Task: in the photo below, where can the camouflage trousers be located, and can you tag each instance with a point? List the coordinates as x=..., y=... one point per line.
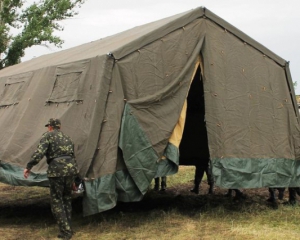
x=61, y=202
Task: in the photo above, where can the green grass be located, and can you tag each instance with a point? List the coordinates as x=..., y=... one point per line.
x=174, y=214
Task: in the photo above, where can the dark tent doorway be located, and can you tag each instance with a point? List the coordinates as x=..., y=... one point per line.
x=193, y=148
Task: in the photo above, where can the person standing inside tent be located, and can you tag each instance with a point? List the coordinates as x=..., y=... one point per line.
x=272, y=196
x=201, y=167
x=293, y=192
x=62, y=170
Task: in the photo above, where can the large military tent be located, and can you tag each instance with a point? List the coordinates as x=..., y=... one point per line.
x=124, y=100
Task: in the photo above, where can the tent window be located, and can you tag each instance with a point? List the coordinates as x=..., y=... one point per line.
x=68, y=82
x=13, y=89
x=65, y=87
x=11, y=93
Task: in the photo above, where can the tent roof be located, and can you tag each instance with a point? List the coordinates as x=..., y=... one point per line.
x=131, y=40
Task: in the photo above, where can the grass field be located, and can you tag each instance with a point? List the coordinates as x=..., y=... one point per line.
x=173, y=214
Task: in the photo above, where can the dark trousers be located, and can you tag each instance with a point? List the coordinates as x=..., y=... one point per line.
x=199, y=172
x=61, y=202
x=272, y=193
x=163, y=183
x=292, y=195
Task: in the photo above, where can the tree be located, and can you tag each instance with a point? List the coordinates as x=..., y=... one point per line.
x=36, y=24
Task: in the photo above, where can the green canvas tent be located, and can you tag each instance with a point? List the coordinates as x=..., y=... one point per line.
x=124, y=100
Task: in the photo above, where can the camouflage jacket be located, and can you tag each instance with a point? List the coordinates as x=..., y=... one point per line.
x=59, y=151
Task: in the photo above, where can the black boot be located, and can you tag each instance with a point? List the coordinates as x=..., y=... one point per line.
x=163, y=183
x=281, y=193
x=298, y=191
x=229, y=193
x=292, y=197
x=238, y=195
x=272, y=197
x=211, y=188
x=156, y=186
x=210, y=180
x=195, y=189
x=196, y=186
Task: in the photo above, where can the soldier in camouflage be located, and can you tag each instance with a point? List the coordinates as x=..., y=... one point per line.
x=62, y=170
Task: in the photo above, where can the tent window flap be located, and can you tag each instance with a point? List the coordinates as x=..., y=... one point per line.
x=14, y=89
x=68, y=82
x=65, y=87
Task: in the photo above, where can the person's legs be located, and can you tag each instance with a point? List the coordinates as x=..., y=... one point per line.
x=67, y=198
x=280, y=193
x=272, y=197
x=229, y=193
x=199, y=172
x=292, y=196
x=238, y=194
x=57, y=189
x=297, y=190
x=163, y=183
x=210, y=180
x=156, y=185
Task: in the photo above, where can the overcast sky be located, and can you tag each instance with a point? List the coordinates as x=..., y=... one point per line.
x=273, y=23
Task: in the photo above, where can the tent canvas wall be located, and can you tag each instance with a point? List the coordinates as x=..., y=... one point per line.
x=123, y=100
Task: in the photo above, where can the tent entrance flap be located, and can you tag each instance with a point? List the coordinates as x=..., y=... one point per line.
x=194, y=145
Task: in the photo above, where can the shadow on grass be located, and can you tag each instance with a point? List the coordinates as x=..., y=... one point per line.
x=37, y=210
x=189, y=204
